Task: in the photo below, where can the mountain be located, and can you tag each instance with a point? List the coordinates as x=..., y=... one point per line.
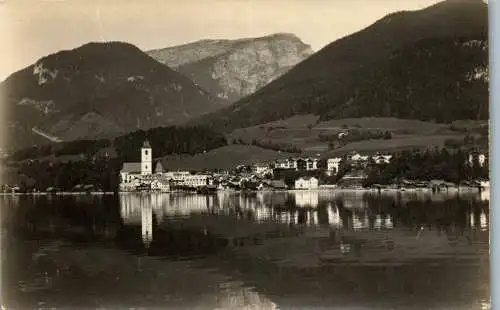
x=438, y=79
x=232, y=69
x=98, y=90
x=344, y=78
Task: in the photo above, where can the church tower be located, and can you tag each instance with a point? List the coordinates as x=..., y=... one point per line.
x=146, y=159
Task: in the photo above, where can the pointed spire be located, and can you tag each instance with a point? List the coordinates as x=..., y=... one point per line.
x=159, y=167
x=146, y=144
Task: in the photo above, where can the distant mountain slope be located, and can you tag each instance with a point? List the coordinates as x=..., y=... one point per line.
x=439, y=79
x=99, y=90
x=232, y=69
x=326, y=83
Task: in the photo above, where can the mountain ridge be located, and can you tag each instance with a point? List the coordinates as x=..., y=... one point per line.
x=231, y=69
x=324, y=78
x=104, y=89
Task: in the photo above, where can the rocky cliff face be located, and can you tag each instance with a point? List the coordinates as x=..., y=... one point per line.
x=232, y=69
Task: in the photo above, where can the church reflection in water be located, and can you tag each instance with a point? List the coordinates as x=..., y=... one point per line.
x=306, y=208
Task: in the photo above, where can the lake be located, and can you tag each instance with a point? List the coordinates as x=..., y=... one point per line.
x=275, y=250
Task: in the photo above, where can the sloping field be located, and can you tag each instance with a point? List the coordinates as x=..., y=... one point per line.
x=298, y=121
x=398, y=143
x=303, y=132
x=292, y=130
x=384, y=123
x=226, y=157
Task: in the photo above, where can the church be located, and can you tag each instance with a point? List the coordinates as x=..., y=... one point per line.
x=139, y=175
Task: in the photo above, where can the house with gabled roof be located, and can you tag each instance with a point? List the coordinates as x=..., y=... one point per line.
x=306, y=183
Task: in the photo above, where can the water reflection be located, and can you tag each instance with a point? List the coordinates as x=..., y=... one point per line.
x=372, y=227
x=306, y=198
x=304, y=247
x=483, y=221
x=306, y=208
x=146, y=223
x=485, y=195
x=334, y=218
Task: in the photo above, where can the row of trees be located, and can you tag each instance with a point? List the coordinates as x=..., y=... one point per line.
x=428, y=165
x=169, y=140
x=77, y=147
x=283, y=147
x=271, y=145
x=103, y=173
x=65, y=176
x=164, y=140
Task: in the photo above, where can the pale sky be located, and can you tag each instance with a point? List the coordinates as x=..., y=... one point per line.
x=31, y=29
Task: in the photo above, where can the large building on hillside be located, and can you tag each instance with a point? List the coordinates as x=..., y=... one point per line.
x=333, y=165
x=307, y=163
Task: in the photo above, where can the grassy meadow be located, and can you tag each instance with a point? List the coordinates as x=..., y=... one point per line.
x=304, y=132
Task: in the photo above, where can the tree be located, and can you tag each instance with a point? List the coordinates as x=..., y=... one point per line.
x=387, y=135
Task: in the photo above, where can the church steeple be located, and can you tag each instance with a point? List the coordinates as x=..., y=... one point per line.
x=146, y=158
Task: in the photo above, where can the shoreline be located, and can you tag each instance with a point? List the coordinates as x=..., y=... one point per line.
x=453, y=190
x=59, y=194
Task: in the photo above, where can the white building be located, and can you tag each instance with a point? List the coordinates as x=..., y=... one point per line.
x=308, y=163
x=306, y=183
x=185, y=178
x=333, y=165
x=356, y=157
x=311, y=164
x=261, y=169
x=382, y=159
x=286, y=164
x=160, y=185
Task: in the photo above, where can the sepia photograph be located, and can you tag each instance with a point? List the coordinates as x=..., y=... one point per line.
x=245, y=154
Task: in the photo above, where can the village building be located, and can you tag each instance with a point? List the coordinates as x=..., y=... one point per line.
x=356, y=157
x=333, y=165
x=312, y=164
x=289, y=163
x=299, y=163
x=186, y=179
x=381, y=159
x=261, y=169
x=306, y=183
x=356, y=160
x=160, y=184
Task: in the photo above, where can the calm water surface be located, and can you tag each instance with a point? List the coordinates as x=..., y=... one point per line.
x=295, y=250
